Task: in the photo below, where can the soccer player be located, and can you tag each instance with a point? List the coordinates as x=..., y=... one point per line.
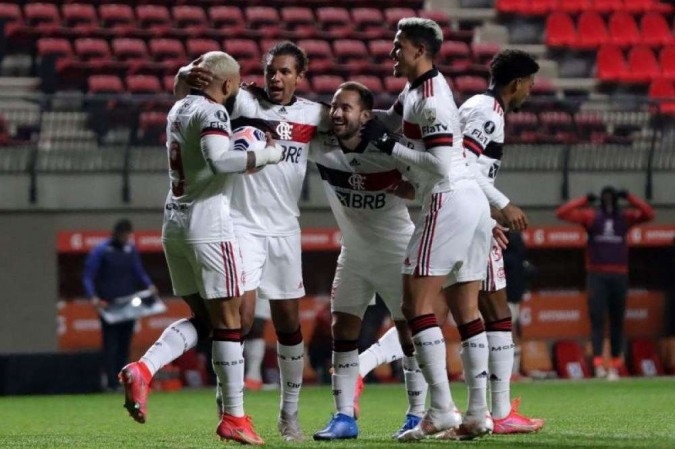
x=265, y=210
x=454, y=231
x=200, y=246
x=482, y=121
x=362, y=185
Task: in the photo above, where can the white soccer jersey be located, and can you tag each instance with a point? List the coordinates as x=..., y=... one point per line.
x=374, y=224
x=197, y=207
x=266, y=203
x=482, y=122
x=430, y=119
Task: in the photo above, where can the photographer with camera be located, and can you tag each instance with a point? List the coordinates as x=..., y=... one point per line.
x=607, y=264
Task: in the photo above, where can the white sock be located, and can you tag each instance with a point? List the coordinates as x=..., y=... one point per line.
x=291, y=365
x=430, y=354
x=254, y=353
x=346, y=369
x=176, y=339
x=385, y=350
x=415, y=385
x=228, y=364
x=501, y=367
x=474, y=354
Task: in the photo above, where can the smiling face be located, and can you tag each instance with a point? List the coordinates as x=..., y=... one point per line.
x=347, y=114
x=281, y=78
x=405, y=55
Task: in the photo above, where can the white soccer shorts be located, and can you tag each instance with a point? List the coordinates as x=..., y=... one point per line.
x=495, y=278
x=452, y=235
x=356, y=282
x=214, y=270
x=272, y=265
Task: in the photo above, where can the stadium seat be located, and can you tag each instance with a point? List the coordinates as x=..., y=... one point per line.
x=667, y=62
x=380, y=50
x=556, y=120
x=92, y=48
x=197, y=47
x=102, y=84
x=44, y=18
x=126, y=49
x=570, y=360
x=606, y=6
x=644, y=358
x=663, y=91
x=484, y=51
x=334, y=22
x=509, y=6
x=226, y=21
x=151, y=127
x=537, y=7
x=154, y=18
x=623, y=30
x=394, y=85
x=319, y=53
x=573, y=6
x=264, y=20
x=543, y=87
x=191, y=19
x=143, y=84
x=589, y=122
x=468, y=85
x=454, y=57
x=441, y=18
x=591, y=31
x=54, y=46
x=326, y=84
x=119, y=19
x=80, y=18
x=167, y=83
x=655, y=30
x=11, y=14
x=300, y=22
x=611, y=64
x=166, y=49
x=560, y=30
x=373, y=83
x=642, y=65
x=246, y=52
x=369, y=22
x=638, y=6
x=393, y=15
x=350, y=55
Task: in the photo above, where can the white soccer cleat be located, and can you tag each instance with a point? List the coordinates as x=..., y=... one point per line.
x=433, y=422
x=472, y=427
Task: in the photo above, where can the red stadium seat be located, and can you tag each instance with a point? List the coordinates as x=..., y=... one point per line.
x=101, y=84
x=537, y=7
x=560, y=30
x=167, y=83
x=573, y=6
x=92, y=48
x=454, y=56
x=326, y=84
x=44, y=17
x=143, y=84
x=611, y=64
x=440, y=17
x=638, y=6
x=393, y=15
x=118, y=18
x=350, y=55
x=79, y=17
x=642, y=65
x=592, y=31
x=644, y=358
x=126, y=49
x=11, y=14
x=246, y=52
x=190, y=18
x=264, y=20
x=623, y=30
x=197, y=47
x=154, y=18
x=394, y=85
x=369, y=22
x=468, y=85
x=166, y=49
x=556, y=120
x=152, y=127
x=226, y=21
x=373, y=83
x=300, y=22
x=663, y=90
x=606, y=6
x=543, y=87
x=54, y=46
x=667, y=62
x=509, y=6
x=483, y=52
x=335, y=22
x=655, y=30
x=380, y=50
x=590, y=126
x=319, y=53
x=570, y=361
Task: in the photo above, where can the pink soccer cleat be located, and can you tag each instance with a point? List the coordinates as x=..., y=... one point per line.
x=517, y=423
x=239, y=429
x=135, y=378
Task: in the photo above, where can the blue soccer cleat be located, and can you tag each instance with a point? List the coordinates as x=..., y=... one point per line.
x=410, y=422
x=340, y=427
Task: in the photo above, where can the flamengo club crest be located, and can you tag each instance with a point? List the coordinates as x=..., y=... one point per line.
x=284, y=130
x=357, y=182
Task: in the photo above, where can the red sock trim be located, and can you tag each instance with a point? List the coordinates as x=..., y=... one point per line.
x=503, y=325
x=422, y=322
x=292, y=339
x=227, y=335
x=471, y=329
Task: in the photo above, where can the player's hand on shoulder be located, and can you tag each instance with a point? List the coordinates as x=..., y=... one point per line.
x=377, y=133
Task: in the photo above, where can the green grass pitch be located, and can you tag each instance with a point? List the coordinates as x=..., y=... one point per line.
x=591, y=414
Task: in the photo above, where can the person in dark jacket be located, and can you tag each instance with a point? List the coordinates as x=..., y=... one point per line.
x=607, y=264
x=113, y=269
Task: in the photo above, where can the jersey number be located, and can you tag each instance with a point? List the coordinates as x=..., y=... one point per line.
x=176, y=166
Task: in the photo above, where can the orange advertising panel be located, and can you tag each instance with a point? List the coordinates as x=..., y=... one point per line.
x=553, y=315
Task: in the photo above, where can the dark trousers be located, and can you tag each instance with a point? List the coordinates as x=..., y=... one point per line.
x=116, y=347
x=607, y=297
